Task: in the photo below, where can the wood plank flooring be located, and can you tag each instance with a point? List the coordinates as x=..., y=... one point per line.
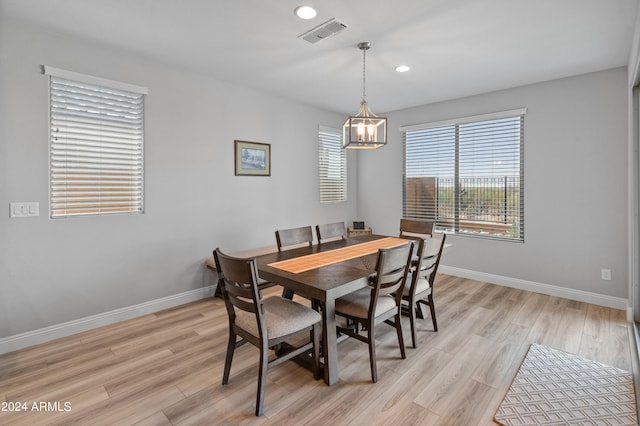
x=166, y=368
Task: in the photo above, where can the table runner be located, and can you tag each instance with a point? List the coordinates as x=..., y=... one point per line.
x=325, y=258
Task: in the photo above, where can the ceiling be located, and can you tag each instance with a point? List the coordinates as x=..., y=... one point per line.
x=455, y=48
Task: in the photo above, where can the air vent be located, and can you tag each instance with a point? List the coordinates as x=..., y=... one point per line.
x=323, y=31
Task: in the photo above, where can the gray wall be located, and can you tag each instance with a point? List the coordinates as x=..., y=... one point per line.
x=575, y=183
x=52, y=271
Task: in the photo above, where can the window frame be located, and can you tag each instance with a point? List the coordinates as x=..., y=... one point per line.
x=130, y=150
x=454, y=134
x=326, y=188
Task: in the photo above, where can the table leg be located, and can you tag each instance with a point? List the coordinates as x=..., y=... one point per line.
x=329, y=342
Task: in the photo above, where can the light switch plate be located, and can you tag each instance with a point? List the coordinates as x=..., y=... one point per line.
x=29, y=209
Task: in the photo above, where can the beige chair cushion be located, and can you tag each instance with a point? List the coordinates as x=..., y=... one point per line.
x=422, y=286
x=282, y=316
x=357, y=304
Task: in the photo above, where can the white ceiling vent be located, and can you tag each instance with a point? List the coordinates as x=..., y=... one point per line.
x=323, y=31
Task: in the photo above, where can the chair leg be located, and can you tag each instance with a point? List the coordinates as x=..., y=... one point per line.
x=287, y=293
x=412, y=321
x=372, y=352
x=432, y=307
x=398, y=326
x=353, y=325
x=315, y=339
x=231, y=346
x=262, y=378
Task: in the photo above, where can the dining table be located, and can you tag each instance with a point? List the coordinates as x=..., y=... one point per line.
x=323, y=273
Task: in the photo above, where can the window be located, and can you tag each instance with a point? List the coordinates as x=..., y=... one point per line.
x=333, y=166
x=96, y=145
x=467, y=174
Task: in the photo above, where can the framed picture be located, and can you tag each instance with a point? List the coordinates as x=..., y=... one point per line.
x=252, y=158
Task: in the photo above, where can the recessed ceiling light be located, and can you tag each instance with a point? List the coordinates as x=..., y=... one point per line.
x=305, y=12
x=402, y=68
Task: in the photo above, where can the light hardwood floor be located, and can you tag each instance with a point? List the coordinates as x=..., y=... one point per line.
x=166, y=368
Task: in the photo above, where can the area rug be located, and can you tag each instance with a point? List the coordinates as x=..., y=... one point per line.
x=553, y=387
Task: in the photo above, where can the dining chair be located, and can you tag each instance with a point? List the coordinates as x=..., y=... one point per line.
x=294, y=237
x=211, y=265
x=331, y=231
x=265, y=323
x=379, y=302
x=291, y=238
x=413, y=227
x=419, y=290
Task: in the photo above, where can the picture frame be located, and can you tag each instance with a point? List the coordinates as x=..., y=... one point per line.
x=252, y=158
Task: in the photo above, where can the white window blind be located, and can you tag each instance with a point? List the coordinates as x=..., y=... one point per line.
x=467, y=175
x=96, y=145
x=333, y=166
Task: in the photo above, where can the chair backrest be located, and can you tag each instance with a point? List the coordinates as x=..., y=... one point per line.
x=410, y=227
x=428, y=259
x=392, y=268
x=331, y=231
x=238, y=278
x=294, y=236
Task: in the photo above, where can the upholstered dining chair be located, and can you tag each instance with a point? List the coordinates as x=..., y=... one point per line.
x=291, y=238
x=331, y=231
x=264, y=323
x=416, y=228
x=419, y=289
x=380, y=302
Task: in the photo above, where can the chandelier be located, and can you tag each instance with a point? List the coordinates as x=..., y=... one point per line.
x=365, y=130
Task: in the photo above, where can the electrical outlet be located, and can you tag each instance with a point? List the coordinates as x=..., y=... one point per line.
x=605, y=274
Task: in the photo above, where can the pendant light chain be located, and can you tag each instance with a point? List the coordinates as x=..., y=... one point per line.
x=364, y=56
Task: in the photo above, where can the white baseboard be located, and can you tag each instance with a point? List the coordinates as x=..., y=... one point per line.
x=551, y=290
x=30, y=338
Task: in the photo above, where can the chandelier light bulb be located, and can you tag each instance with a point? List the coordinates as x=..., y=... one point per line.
x=360, y=131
